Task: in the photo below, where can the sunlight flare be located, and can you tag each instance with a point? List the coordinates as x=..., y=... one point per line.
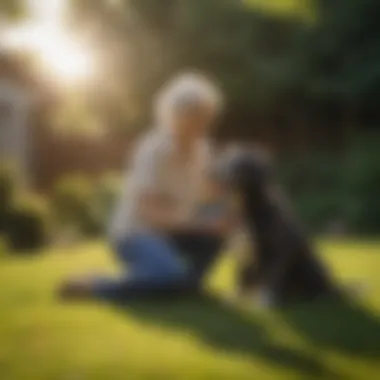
x=59, y=54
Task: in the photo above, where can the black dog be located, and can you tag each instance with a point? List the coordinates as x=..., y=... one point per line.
x=284, y=262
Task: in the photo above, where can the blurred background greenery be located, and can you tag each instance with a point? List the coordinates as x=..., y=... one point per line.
x=77, y=78
x=300, y=77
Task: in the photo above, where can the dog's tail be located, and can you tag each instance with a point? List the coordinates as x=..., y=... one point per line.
x=355, y=289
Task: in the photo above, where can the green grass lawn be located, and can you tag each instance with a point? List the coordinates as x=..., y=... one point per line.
x=41, y=338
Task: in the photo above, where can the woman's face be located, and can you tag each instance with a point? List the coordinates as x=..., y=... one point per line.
x=195, y=122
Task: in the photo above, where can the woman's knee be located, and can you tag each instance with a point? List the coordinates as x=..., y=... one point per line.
x=154, y=257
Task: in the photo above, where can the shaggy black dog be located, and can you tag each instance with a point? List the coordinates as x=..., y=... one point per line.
x=283, y=261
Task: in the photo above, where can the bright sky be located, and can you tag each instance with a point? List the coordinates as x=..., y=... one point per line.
x=47, y=10
x=45, y=35
x=44, y=15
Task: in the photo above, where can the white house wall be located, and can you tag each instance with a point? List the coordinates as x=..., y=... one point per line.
x=14, y=116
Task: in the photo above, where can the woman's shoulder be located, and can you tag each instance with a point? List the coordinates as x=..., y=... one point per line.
x=152, y=144
x=206, y=149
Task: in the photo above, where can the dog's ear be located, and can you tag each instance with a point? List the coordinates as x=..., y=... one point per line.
x=253, y=171
x=243, y=168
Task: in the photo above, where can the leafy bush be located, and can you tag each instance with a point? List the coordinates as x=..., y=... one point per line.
x=7, y=190
x=325, y=187
x=71, y=199
x=106, y=193
x=85, y=205
x=72, y=202
x=3, y=247
x=316, y=172
x=315, y=186
x=27, y=227
x=362, y=183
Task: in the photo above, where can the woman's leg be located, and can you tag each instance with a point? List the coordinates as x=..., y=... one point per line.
x=151, y=265
x=200, y=250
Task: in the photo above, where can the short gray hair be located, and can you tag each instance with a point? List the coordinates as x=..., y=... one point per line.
x=186, y=90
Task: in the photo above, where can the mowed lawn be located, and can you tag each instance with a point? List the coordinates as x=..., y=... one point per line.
x=41, y=338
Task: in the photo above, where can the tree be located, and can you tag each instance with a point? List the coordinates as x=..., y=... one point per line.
x=12, y=8
x=278, y=69
x=147, y=41
x=340, y=70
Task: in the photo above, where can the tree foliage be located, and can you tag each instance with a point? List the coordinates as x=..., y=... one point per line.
x=12, y=8
x=277, y=66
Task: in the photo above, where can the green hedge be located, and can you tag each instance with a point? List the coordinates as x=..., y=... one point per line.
x=28, y=224
x=84, y=204
x=105, y=195
x=76, y=203
x=362, y=183
x=7, y=191
x=23, y=216
x=72, y=203
x=327, y=187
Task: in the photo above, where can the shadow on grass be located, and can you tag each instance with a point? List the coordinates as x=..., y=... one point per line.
x=223, y=328
x=344, y=326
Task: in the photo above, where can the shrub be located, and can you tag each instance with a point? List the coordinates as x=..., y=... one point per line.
x=362, y=183
x=71, y=201
x=319, y=209
x=71, y=196
x=315, y=186
x=27, y=228
x=84, y=205
x=327, y=187
x=317, y=172
x=3, y=247
x=7, y=190
x=106, y=193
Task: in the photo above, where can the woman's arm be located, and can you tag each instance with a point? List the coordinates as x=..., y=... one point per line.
x=225, y=220
x=159, y=210
x=149, y=182
x=164, y=214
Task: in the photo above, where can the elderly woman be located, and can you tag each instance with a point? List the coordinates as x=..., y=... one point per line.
x=155, y=232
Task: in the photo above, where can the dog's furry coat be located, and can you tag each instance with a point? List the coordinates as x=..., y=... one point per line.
x=283, y=262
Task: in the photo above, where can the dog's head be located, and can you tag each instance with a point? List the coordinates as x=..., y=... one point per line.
x=245, y=171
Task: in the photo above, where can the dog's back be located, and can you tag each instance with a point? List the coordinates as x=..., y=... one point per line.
x=283, y=257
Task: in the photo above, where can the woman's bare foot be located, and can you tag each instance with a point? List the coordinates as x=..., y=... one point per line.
x=75, y=290
x=232, y=299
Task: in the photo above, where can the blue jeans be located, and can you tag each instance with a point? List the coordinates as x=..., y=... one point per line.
x=149, y=261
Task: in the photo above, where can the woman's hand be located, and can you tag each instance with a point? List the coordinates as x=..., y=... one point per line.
x=220, y=226
x=265, y=299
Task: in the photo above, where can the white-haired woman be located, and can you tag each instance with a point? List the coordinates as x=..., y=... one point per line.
x=154, y=220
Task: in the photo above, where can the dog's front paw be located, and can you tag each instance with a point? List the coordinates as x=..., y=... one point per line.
x=264, y=299
x=232, y=299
